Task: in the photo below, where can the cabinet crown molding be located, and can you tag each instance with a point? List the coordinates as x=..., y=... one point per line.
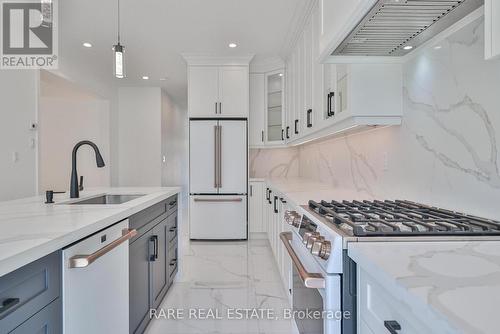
x=200, y=59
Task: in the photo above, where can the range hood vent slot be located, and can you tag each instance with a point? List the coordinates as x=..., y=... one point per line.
x=392, y=25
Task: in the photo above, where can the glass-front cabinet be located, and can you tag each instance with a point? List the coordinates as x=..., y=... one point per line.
x=275, y=107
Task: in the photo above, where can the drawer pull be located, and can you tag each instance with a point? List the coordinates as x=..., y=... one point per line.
x=8, y=303
x=172, y=203
x=172, y=229
x=392, y=326
x=173, y=262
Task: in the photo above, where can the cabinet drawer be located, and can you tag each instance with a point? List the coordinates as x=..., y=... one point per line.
x=172, y=229
x=377, y=305
x=47, y=321
x=172, y=204
x=173, y=262
x=27, y=290
x=146, y=216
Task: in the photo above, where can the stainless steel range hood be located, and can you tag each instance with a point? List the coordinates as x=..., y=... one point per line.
x=396, y=27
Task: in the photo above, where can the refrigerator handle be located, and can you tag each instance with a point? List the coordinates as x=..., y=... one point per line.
x=216, y=155
x=220, y=156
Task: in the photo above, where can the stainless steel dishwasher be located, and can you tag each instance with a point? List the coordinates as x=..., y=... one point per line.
x=95, y=282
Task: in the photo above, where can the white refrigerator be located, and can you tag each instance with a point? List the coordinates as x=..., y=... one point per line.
x=218, y=154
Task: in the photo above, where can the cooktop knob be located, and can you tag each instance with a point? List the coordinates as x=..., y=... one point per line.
x=308, y=235
x=326, y=248
x=312, y=239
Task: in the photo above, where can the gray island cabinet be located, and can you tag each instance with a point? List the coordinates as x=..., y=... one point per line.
x=31, y=295
x=152, y=260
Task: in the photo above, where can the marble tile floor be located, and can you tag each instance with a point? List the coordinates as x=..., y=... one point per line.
x=222, y=277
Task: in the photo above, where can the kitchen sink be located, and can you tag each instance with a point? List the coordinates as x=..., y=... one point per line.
x=107, y=199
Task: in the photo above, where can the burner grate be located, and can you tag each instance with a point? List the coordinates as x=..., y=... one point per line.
x=402, y=218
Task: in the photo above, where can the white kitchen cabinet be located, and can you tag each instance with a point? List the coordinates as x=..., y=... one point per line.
x=203, y=96
x=307, y=109
x=233, y=91
x=377, y=305
x=267, y=109
x=256, y=207
x=218, y=91
x=256, y=119
x=492, y=29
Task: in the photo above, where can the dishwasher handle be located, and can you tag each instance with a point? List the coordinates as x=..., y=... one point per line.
x=82, y=261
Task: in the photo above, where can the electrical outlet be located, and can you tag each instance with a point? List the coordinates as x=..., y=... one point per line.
x=386, y=161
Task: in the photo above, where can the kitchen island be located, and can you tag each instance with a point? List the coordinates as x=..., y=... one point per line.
x=32, y=229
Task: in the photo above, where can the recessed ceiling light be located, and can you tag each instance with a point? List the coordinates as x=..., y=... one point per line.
x=233, y=45
x=87, y=45
x=145, y=77
x=281, y=74
x=163, y=79
x=408, y=47
x=437, y=47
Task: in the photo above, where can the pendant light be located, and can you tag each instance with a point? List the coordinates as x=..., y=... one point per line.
x=118, y=61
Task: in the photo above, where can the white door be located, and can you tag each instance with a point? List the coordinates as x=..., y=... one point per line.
x=256, y=119
x=202, y=157
x=203, y=90
x=255, y=207
x=233, y=157
x=233, y=91
x=218, y=217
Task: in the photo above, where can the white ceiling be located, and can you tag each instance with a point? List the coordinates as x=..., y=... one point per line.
x=156, y=32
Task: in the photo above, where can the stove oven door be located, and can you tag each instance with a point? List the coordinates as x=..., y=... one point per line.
x=316, y=296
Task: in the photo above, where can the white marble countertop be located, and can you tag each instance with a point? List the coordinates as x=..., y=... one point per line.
x=299, y=190
x=457, y=281
x=31, y=229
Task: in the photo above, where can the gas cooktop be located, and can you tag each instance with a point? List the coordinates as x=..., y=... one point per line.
x=401, y=218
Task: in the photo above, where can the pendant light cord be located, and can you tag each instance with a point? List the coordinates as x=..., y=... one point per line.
x=118, y=21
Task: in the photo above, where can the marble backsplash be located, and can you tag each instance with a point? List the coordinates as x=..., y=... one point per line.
x=446, y=151
x=277, y=162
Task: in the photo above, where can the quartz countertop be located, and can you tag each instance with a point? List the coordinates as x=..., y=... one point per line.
x=31, y=229
x=300, y=190
x=456, y=281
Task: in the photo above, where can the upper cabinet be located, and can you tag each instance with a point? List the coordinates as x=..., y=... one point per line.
x=267, y=119
x=218, y=87
x=218, y=91
x=492, y=29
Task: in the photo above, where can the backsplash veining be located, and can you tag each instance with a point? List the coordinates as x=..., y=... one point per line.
x=446, y=151
x=279, y=162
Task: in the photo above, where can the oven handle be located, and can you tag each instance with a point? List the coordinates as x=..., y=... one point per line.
x=311, y=280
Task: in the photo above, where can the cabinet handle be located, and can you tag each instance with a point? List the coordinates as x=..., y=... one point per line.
x=282, y=200
x=282, y=134
x=287, y=132
x=216, y=108
x=153, y=257
x=262, y=136
x=267, y=194
x=172, y=229
x=331, y=105
x=220, y=108
x=275, y=204
x=173, y=262
x=172, y=203
x=309, y=121
x=251, y=190
x=8, y=303
x=269, y=199
x=392, y=326
x=296, y=124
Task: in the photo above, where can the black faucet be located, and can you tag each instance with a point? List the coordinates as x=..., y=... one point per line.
x=74, y=192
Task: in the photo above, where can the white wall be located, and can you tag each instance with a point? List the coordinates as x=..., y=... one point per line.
x=175, y=149
x=139, y=136
x=18, y=97
x=67, y=115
